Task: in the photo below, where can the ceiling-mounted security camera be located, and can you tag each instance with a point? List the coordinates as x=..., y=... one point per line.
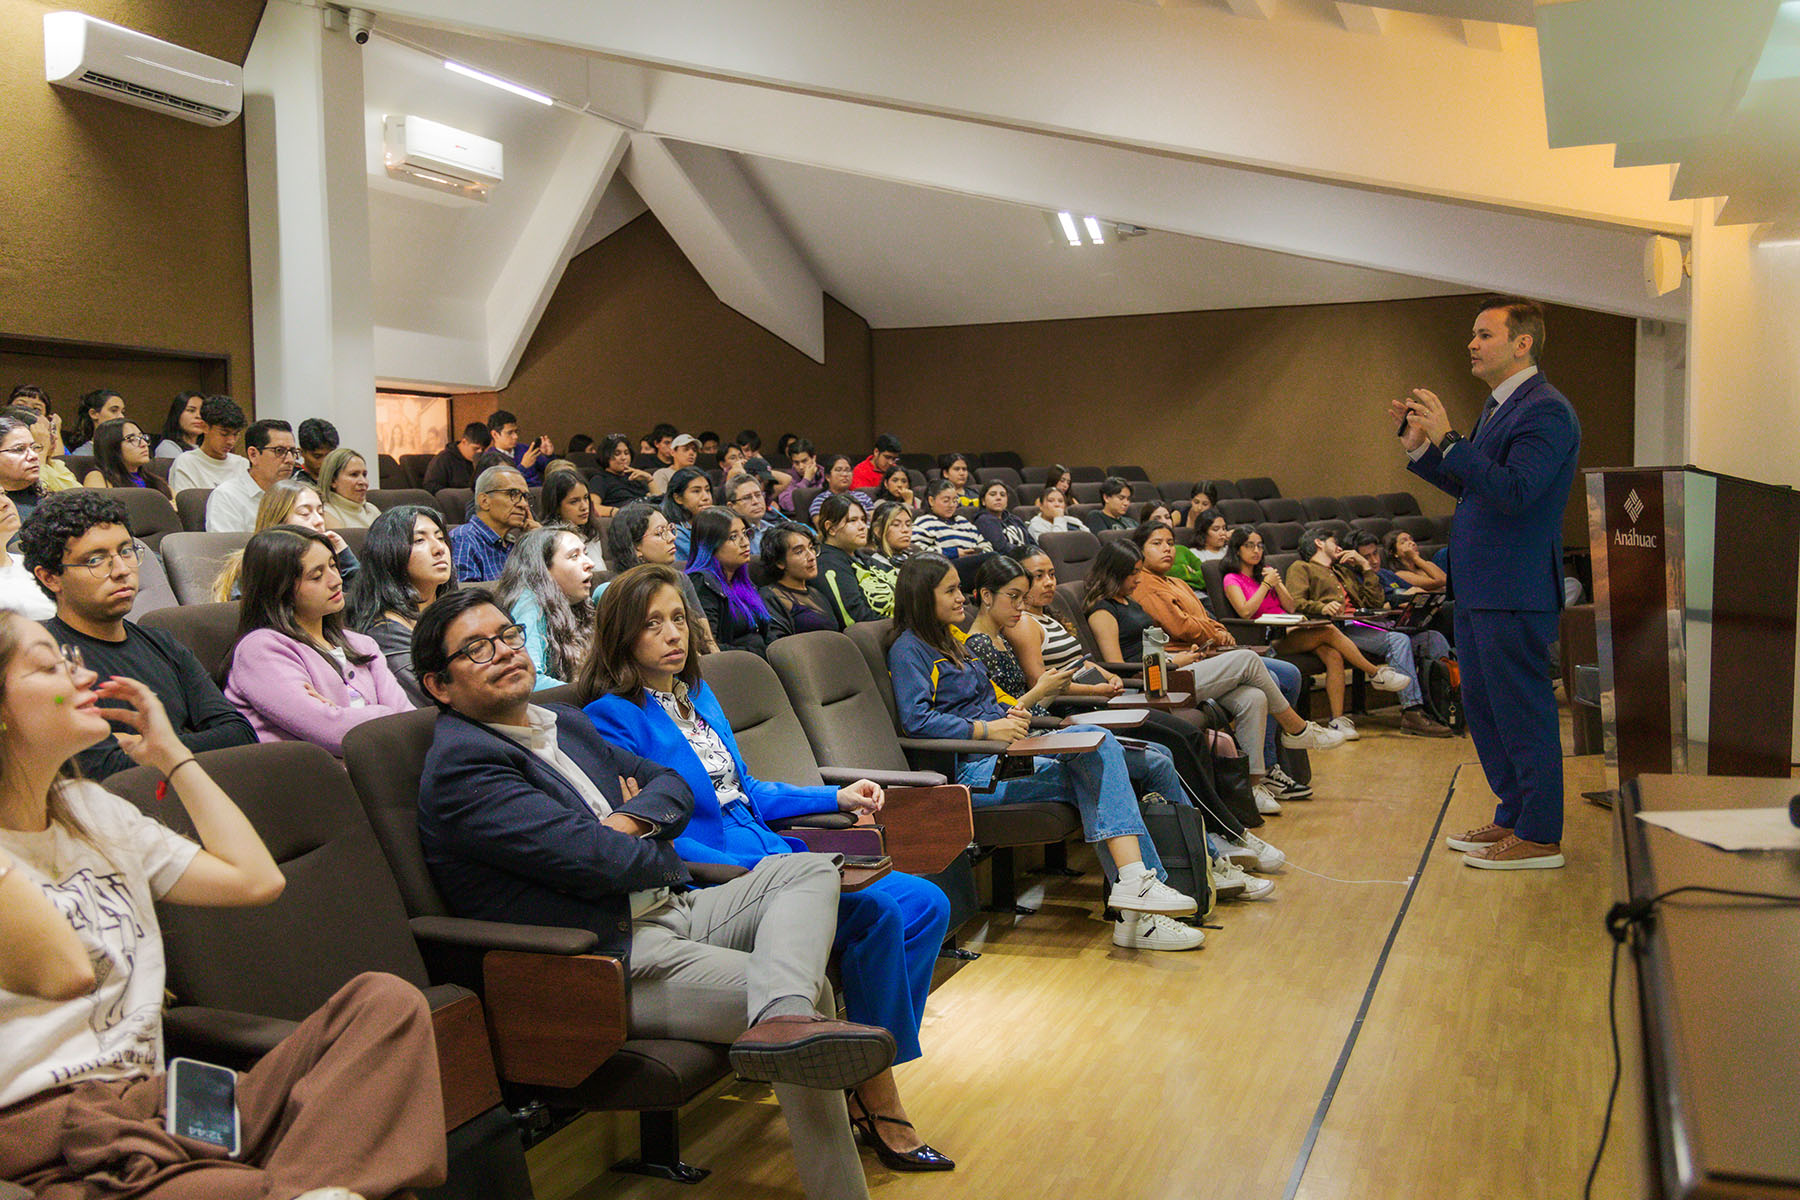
x=362, y=23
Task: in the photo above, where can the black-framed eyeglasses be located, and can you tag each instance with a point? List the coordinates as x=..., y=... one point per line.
x=137, y=439
x=281, y=452
x=510, y=495
x=481, y=650
x=100, y=563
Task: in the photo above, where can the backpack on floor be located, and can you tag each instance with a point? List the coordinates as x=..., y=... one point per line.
x=1441, y=689
x=1179, y=834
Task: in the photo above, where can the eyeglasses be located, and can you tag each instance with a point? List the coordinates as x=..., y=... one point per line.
x=137, y=439
x=510, y=495
x=100, y=563
x=21, y=450
x=481, y=650
x=287, y=452
x=72, y=659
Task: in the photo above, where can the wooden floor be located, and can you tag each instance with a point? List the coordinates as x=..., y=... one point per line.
x=1057, y=1065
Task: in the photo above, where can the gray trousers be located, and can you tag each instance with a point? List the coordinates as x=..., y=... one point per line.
x=1238, y=680
x=705, y=967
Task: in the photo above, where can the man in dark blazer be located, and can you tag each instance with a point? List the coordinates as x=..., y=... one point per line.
x=1511, y=479
x=527, y=815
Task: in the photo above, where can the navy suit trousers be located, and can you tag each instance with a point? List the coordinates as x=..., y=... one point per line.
x=1504, y=656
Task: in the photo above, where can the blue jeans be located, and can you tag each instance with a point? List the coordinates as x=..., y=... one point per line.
x=1287, y=678
x=1098, y=783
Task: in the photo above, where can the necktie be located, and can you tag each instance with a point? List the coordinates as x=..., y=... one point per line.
x=1487, y=410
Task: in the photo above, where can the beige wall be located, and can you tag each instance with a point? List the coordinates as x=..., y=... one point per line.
x=1296, y=393
x=123, y=226
x=633, y=336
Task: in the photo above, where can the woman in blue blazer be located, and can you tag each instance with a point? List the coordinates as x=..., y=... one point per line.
x=651, y=701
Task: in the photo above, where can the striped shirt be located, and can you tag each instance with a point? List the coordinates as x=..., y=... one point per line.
x=1061, y=648
x=949, y=538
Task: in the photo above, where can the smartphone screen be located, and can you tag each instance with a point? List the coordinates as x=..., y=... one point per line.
x=202, y=1103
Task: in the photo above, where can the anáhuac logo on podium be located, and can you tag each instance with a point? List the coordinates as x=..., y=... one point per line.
x=1634, y=508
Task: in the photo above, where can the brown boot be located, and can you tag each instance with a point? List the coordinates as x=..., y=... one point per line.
x=1415, y=722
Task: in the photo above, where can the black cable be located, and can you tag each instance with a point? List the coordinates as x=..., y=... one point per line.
x=1622, y=921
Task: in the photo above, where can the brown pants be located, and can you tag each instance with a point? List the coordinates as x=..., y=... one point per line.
x=350, y=1098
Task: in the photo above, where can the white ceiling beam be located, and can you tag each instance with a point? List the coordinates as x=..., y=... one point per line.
x=1360, y=18
x=1151, y=82
x=549, y=240
x=1484, y=35
x=1564, y=261
x=722, y=226
x=1261, y=10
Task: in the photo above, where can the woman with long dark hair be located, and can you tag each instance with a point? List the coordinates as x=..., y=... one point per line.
x=349, y=1100
x=1005, y=533
x=569, y=504
x=720, y=572
x=955, y=468
x=120, y=451
x=295, y=672
x=618, y=483
x=838, y=473
x=182, y=428
x=547, y=588
x=101, y=404
x=641, y=534
x=689, y=492
x=943, y=691
x=844, y=541
x=406, y=564
x=896, y=486
x=650, y=700
x=796, y=603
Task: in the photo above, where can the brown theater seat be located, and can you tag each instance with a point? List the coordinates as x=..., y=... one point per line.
x=209, y=630
x=386, y=498
x=151, y=514
x=190, y=504
x=193, y=560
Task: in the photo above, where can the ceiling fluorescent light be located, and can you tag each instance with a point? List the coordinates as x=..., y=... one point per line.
x=503, y=85
x=1093, y=228
x=1068, y=228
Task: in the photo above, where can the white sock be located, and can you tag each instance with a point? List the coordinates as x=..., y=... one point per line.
x=1132, y=872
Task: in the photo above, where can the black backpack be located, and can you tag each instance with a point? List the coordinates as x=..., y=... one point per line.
x=1441, y=687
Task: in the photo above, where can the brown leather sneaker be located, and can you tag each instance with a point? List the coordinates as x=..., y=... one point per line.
x=812, y=1051
x=1515, y=854
x=1479, y=839
x=1415, y=722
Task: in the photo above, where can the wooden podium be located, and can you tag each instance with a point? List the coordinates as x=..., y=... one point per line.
x=1695, y=580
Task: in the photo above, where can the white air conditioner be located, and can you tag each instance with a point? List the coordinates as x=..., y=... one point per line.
x=438, y=156
x=109, y=60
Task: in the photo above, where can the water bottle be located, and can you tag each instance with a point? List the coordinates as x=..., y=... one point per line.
x=1156, y=663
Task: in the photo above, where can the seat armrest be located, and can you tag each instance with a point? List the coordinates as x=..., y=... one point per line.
x=841, y=776
x=925, y=828
x=711, y=874
x=224, y=1033
x=861, y=839
x=499, y=935
x=824, y=820
x=1114, y=718
x=952, y=745
x=554, y=1019
x=1038, y=722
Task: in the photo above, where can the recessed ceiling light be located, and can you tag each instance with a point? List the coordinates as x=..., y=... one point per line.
x=1069, y=228
x=495, y=81
x=1093, y=230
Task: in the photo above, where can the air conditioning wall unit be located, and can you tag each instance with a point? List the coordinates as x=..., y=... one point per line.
x=441, y=157
x=95, y=56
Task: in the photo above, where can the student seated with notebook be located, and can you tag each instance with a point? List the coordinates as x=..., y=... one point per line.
x=943, y=691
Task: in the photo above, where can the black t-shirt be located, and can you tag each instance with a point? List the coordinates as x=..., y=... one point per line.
x=1133, y=620
x=202, y=717
x=616, y=491
x=449, y=469
x=1099, y=522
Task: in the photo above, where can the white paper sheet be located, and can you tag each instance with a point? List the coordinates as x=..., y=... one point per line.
x=1732, y=828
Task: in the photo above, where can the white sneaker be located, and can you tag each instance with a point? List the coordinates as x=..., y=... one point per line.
x=1345, y=728
x=1389, y=680
x=1148, y=894
x=1233, y=852
x=1152, y=931
x=1285, y=786
x=1266, y=803
x=1241, y=886
x=1262, y=856
x=329, y=1193
x=1314, y=737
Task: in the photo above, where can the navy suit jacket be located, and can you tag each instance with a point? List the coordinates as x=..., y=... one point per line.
x=508, y=839
x=1511, y=482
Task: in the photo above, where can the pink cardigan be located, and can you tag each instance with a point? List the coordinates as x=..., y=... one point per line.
x=268, y=674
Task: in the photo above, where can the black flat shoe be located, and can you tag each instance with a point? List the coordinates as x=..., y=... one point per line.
x=924, y=1158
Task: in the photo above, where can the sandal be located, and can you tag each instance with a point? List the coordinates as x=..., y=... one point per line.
x=924, y=1158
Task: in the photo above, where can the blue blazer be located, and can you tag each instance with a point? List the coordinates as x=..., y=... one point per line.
x=644, y=728
x=508, y=839
x=1511, y=482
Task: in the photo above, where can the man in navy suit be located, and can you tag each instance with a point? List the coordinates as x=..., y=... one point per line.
x=527, y=815
x=1511, y=479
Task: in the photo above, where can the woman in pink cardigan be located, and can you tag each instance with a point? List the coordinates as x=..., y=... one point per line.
x=296, y=673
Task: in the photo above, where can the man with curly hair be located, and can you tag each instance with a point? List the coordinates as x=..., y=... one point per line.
x=78, y=545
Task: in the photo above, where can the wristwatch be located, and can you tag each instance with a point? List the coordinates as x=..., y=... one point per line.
x=1448, y=440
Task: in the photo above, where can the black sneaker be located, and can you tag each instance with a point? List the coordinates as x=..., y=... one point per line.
x=1285, y=786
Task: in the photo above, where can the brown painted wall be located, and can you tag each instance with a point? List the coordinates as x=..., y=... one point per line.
x=1295, y=393
x=633, y=336
x=123, y=226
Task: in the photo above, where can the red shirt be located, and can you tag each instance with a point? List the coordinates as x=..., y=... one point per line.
x=865, y=475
